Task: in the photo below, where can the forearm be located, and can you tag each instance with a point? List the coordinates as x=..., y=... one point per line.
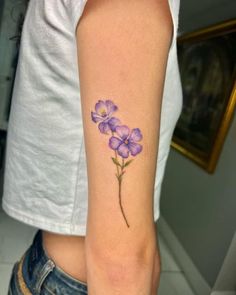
x=121, y=268
x=123, y=48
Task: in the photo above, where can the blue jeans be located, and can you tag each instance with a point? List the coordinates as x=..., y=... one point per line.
x=37, y=274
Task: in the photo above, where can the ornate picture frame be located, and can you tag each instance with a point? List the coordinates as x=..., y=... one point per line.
x=207, y=62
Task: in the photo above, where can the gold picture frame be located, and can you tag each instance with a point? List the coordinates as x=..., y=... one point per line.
x=207, y=62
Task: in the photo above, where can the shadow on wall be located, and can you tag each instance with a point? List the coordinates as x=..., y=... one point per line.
x=198, y=208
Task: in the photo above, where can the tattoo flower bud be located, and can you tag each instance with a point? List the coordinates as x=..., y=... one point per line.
x=102, y=114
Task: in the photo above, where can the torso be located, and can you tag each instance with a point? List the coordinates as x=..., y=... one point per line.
x=73, y=248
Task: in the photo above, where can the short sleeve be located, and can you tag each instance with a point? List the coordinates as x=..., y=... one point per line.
x=174, y=9
x=76, y=8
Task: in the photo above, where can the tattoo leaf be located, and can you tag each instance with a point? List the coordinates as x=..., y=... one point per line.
x=127, y=163
x=115, y=161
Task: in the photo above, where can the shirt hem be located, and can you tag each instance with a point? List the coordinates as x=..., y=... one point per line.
x=43, y=223
x=156, y=215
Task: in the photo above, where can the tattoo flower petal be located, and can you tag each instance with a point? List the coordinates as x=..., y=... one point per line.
x=123, y=150
x=113, y=123
x=95, y=117
x=123, y=131
x=101, y=108
x=114, y=142
x=135, y=135
x=135, y=148
x=111, y=108
x=103, y=127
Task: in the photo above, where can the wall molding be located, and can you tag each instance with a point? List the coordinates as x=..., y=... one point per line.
x=226, y=277
x=192, y=274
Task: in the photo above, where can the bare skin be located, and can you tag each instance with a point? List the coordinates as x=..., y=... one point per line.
x=73, y=259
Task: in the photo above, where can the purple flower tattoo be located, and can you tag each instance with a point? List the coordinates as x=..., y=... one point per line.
x=123, y=141
x=126, y=143
x=102, y=114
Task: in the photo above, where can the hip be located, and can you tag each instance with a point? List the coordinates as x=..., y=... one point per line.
x=37, y=274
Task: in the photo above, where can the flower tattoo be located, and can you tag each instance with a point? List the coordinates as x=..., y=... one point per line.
x=102, y=114
x=123, y=141
x=127, y=142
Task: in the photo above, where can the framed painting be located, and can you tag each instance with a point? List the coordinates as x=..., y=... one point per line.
x=207, y=62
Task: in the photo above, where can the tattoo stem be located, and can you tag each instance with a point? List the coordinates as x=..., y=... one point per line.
x=120, y=181
x=117, y=168
x=119, y=177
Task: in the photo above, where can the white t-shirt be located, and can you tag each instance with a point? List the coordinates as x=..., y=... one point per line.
x=45, y=180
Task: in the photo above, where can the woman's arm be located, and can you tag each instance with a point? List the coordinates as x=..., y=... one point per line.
x=122, y=54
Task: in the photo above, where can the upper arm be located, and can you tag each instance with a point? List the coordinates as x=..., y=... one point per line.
x=122, y=53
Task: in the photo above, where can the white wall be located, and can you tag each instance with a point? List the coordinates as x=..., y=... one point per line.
x=201, y=208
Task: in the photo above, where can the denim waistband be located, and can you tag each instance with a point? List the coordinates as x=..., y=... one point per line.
x=39, y=271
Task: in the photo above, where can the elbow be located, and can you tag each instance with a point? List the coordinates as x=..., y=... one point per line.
x=127, y=272
x=123, y=265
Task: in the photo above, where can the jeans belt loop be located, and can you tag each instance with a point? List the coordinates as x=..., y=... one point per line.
x=44, y=272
